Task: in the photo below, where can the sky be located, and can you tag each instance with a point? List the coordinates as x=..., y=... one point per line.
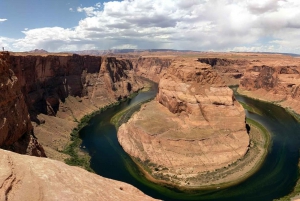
x=202, y=25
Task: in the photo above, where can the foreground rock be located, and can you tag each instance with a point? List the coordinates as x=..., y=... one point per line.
x=275, y=80
x=16, y=131
x=194, y=126
x=30, y=178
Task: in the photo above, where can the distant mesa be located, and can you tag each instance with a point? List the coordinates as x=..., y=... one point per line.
x=39, y=51
x=124, y=51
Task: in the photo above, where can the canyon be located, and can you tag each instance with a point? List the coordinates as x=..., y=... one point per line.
x=200, y=127
x=59, y=90
x=43, y=97
x=194, y=126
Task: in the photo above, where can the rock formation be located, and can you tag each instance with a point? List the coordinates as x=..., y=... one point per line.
x=274, y=80
x=231, y=70
x=30, y=178
x=16, y=131
x=151, y=67
x=194, y=126
x=60, y=89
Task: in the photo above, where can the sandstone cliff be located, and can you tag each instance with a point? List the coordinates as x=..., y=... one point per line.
x=60, y=89
x=194, y=126
x=276, y=81
x=16, y=131
x=231, y=70
x=151, y=67
x=30, y=178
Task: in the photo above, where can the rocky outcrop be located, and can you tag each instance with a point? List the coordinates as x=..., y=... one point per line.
x=15, y=127
x=231, y=70
x=194, y=126
x=60, y=89
x=151, y=67
x=30, y=178
x=276, y=81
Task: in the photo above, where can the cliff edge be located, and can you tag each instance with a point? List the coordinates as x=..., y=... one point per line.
x=16, y=131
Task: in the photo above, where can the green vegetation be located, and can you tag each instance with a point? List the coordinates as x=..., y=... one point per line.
x=124, y=115
x=250, y=108
x=294, y=114
x=77, y=156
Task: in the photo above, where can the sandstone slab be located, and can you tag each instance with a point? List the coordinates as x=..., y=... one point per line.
x=30, y=178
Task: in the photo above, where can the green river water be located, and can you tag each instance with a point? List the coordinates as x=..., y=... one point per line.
x=276, y=177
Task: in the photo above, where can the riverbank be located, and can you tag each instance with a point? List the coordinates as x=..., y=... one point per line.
x=295, y=194
x=78, y=156
x=252, y=96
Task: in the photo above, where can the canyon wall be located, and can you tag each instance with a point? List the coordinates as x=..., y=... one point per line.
x=194, y=126
x=30, y=178
x=231, y=70
x=275, y=81
x=16, y=131
x=151, y=67
x=48, y=80
x=60, y=89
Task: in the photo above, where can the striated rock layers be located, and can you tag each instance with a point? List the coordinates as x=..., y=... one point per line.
x=151, y=67
x=276, y=81
x=59, y=89
x=195, y=125
x=48, y=80
x=30, y=178
x=231, y=70
x=15, y=127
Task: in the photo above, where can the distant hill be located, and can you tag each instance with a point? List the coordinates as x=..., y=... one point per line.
x=39, y=51
x=122, y=51
x=290, y=54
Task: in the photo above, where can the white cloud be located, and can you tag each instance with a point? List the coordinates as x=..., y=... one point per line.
x=2, y=20
x=249, y=25
x=71, y=9
x=6, y=43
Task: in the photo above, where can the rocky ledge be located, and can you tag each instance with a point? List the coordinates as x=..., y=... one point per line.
x=30, y=178
x=194, y=126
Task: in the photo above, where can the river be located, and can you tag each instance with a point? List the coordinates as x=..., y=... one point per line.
x=276, y=177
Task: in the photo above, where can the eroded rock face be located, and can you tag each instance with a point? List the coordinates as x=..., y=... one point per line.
x=231, y=70
x=60, y=89
x=47, y=81
x=274, y=81
x=151, y=67
x=15, y=126
x=194, y=125
x=31, y=178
